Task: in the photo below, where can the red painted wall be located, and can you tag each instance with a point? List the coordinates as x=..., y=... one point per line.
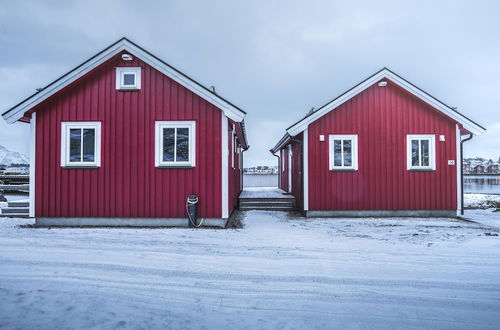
x=382, y=117
x=284, y=169
x=297, y=170
x=127, y=184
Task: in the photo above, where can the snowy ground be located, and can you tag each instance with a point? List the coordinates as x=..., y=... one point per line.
x=480, y=201
x=279, y=271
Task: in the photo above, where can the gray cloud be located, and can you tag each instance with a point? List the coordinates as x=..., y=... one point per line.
x=275, y=59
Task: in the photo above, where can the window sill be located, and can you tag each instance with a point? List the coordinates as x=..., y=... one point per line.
x=422, y=169
x=80, y=166
x=343, y=170
x=174, y=166
x=128, y=89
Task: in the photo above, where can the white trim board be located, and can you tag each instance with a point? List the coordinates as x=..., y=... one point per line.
x=32, y=165
x=354, y=152
x=159, y=126
x=305, y=164
x=120, y=78
x=66, y=126
x=386, y=74
x=225, y=167
x=123, y=44
x=432, y=152
x=290, y=162
x=458, y=164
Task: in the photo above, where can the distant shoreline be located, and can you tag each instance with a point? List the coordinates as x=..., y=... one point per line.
x=482, y=174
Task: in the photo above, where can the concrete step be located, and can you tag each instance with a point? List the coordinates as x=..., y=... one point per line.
x=14, y=215
x=260, y=199
x=284, y=203
x=16, y=210
x=268, y=208
x=19, y=204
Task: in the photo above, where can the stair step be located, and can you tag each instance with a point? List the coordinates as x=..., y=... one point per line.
x=14, y=215
x=257, y=199
x=19, y=204
x=10, y=210
x=268, y=208
x=266, y=202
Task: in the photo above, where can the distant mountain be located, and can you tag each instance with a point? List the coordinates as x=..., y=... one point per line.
x=8, y=157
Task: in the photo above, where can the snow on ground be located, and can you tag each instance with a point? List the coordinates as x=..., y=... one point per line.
x=488, y=218
x=481, y=201
x=279, y=271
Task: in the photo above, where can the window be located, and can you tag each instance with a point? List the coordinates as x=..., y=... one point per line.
x=81, y=144
x=421, y=152
x=128, y=78
x=344, y=152
x=175, y=143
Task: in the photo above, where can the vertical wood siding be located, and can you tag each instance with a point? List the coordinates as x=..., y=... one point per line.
x=127, y=184
x=284, y=169
x=382, y=117
x=297, y=170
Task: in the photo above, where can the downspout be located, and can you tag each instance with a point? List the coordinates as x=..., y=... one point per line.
x=279, y=168
x=462, y=171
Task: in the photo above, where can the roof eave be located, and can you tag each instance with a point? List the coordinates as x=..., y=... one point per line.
x=18, y=111
x=281, y=143
x=302, y=124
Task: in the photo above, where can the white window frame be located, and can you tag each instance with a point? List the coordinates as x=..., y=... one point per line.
x=432, y=152
x=65, y=143
x=354, y=150
x=159, y=126
x=120, y=74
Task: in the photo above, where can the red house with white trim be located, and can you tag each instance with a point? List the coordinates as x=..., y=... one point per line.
x=124, y=138
x=382, y=148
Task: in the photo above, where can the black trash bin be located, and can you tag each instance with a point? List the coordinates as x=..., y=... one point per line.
x=191, y=202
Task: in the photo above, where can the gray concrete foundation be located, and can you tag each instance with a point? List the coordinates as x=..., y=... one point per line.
x=382, y=213
x=125, y=222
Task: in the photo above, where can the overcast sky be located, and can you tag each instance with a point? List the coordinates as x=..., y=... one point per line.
x=274, y=59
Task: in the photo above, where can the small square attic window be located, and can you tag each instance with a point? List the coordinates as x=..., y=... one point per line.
x=128, y=78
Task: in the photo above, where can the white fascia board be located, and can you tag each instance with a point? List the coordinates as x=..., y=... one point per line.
x=230, y=111
x=305, y=162
x=283, y=142
x=32, y=166
x=458, y=164
x=18, y=112
x=467, y=124
x=225, y=168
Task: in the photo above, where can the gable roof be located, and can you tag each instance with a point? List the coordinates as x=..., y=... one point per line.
x=17, y=112
x=467, y=123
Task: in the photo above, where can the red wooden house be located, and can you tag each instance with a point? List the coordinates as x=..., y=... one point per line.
x=383, y=148
x=124, y=138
